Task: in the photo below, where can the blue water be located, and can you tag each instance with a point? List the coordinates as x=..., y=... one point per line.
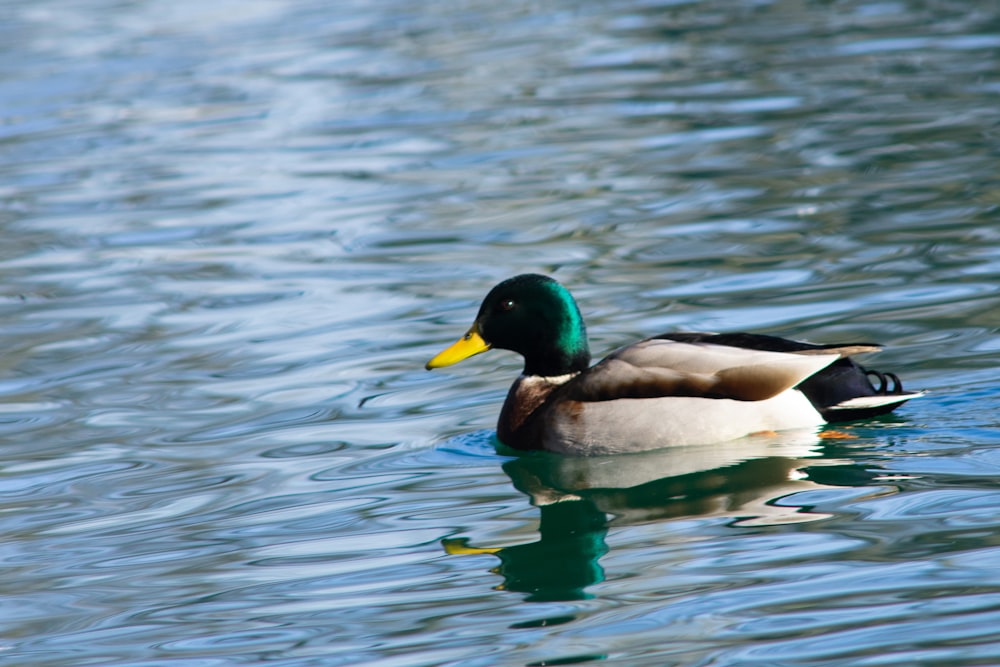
x=234, y=232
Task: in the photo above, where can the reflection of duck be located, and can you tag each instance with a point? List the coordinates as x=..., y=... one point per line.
x=673, y=389
x=564, y=560
x=738, y=477
x=576, y=495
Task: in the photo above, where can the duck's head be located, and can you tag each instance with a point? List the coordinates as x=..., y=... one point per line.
x=532, y=315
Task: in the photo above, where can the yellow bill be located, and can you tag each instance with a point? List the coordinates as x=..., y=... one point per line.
x=468, y=345
x=460, y=547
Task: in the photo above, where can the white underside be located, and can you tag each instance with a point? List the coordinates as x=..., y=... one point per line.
x=631, y=425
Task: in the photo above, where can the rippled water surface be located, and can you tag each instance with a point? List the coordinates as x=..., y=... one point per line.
x=233, y=232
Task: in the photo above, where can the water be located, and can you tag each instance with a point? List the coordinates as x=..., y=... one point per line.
x=233, y=232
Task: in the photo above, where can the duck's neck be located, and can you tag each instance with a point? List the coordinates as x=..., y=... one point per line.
x=564, y=348
x=556, y=362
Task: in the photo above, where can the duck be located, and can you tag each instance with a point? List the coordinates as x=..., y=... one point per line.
x=672, y=389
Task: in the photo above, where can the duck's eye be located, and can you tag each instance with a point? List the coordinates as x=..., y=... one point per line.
x=507, y=304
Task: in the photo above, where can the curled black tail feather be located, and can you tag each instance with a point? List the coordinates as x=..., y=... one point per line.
x=883, y=379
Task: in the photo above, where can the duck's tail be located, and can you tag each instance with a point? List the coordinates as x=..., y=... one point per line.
x=844, y=391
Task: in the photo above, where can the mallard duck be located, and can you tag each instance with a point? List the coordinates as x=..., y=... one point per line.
x=668, y=390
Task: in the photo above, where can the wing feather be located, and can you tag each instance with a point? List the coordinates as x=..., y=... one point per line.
x=659, y=368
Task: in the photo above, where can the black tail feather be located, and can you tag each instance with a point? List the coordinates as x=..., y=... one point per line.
x=844, y=380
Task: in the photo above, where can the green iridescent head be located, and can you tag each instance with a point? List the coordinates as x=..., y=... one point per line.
x=532, y=315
